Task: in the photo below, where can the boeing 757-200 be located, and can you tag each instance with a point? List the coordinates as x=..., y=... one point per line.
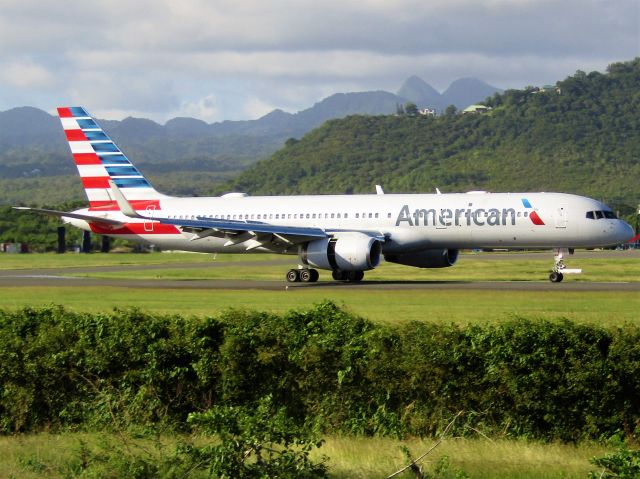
x=345, y=234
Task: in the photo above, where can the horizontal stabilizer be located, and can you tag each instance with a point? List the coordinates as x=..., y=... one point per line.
x=66, y=214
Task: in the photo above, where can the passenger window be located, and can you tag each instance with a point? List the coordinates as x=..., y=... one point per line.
x=333, y=215
x=308, y=215
x=313, y=216
x=357, y=215
x=376, y=215
x=346, y=215
x=370, y=215
x=338, y=215
x=388, y=215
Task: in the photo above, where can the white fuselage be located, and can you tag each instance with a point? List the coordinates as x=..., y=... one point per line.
x=408, y=222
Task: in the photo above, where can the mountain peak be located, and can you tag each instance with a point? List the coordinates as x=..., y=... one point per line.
x=466, y=91
x=418, y=91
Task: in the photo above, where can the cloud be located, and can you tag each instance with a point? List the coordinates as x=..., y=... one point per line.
x=205, y=109
x=25, y=74
x=227, y=58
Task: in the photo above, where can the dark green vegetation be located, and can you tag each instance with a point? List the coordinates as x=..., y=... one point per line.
x=582, y=138
x=622, y=464
x=329, y=371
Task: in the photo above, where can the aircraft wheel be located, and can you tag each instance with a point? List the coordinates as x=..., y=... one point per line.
x=355, y=276
x=305, y=275
x=293, y=276
x=314, y=275
x=556, y=277
x=338, y=275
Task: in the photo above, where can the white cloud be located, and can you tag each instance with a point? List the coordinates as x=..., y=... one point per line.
x=226, y=58
x=256, y=108
x=205, y=109
x=25, y=74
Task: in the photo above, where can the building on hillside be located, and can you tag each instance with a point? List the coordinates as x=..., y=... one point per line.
x=427, y=112
x=476, y=109
x=547, y=89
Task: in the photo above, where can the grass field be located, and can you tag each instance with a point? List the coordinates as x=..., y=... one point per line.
x=44, y=455
x=460, y=306
x=49, y=455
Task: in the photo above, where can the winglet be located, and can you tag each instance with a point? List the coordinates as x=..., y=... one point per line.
x=123, y=204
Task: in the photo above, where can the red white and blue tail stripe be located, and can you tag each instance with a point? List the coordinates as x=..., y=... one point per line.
x=99, y=160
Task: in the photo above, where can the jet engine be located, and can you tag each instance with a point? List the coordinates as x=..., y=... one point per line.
x=430, y=258
x=344, y=252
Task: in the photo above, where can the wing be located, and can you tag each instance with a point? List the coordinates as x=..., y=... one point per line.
x=256, y=234
x=66, y=214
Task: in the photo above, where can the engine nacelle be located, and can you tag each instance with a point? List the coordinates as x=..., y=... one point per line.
x=430, y=258
x=345, y=252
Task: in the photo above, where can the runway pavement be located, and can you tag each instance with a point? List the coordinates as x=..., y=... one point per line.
x=63, y=277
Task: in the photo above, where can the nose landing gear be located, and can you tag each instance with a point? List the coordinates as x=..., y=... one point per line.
x=559, y=267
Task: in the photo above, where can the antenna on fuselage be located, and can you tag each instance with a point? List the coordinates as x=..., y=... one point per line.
x=438, y=191
x=379, y=190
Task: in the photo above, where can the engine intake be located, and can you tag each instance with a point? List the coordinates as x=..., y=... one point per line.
x=344, y=252
x=430, y=258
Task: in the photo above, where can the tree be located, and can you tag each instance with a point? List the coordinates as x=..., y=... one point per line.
x=450, y=110
x=411, y=108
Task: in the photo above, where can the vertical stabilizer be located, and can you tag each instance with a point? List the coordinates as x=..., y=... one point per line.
x=99, y=160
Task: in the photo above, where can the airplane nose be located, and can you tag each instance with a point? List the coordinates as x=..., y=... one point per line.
x=625, y=232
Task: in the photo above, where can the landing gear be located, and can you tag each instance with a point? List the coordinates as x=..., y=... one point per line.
x=305, y=275
x=556, y=277
x=293, y=276
x=350, y=276
x=559, y=268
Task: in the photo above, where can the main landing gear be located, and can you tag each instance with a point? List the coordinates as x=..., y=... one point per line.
x=350, y=276
x=305, y=275
x=308, y=275
x=559, y=268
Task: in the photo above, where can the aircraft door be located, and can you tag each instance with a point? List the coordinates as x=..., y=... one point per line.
x=148, y=224
x=561, y=216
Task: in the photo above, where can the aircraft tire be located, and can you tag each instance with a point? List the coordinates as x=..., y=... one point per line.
x=293, y=276
x=355, y=276
x=338, y=275
x=305, y=275
x=314, y=275
x=556, y=277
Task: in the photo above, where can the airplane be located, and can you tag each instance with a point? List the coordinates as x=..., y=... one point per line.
x=344, y=234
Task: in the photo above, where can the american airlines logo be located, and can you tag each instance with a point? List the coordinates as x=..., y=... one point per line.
x=464, y=216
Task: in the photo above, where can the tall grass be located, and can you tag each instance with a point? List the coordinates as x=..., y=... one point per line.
x=49, y=455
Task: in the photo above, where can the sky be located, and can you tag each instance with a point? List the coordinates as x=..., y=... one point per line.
x=239, y=59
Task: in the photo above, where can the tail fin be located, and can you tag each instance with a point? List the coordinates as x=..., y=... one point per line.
x=99, y=160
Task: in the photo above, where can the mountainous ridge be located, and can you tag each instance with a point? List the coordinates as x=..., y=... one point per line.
x=31, y=140
x=581, y=137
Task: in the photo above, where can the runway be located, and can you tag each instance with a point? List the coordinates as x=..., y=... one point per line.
x=62, y=277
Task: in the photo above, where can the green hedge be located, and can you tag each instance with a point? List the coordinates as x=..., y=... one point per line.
x=329, y=369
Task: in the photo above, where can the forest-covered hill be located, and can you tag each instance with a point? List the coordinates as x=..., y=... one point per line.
x=583, y=136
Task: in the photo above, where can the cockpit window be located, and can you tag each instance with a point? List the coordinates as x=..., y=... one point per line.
x=598, y=215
